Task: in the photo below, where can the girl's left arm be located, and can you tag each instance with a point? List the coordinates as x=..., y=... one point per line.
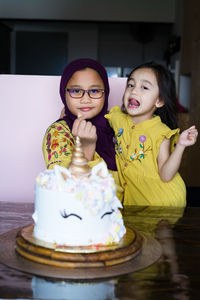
x=169, y=163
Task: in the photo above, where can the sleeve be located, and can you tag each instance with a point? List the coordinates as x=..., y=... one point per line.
x=112, y=116
x=168, y=133
x=97, y=159
x=175, y=134
x=58, y=144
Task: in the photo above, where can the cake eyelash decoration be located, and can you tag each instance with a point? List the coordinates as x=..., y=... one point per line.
x=65, y=215
x=107, y=213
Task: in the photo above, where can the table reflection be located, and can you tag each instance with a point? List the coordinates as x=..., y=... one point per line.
x=55, y=289
x=158, y=222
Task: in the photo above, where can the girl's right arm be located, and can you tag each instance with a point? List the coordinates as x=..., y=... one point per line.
x=58, y=144
x=169, y=163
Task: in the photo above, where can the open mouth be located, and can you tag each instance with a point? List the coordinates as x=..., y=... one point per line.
x=133, y=103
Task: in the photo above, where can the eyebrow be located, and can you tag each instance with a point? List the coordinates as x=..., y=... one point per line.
x=147, y=81
x=143, y=81
x=91, y=86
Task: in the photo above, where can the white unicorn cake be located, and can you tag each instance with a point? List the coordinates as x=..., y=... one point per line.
x=77, y=206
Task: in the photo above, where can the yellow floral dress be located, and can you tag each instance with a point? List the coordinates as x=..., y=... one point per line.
x=137, y=147
x=58, y=144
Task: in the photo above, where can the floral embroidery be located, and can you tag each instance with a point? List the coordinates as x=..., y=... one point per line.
x=67, y=134
x=54, y=144
x=117, y=145
x=55, y=133
x=142, y=138
x=53, y=147
x=142, y=151
x=120, y=131
x=133, y=155
x=120, y=150
x=115, y=140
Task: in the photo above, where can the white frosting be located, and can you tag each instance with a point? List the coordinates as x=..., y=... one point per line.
x=77, y=211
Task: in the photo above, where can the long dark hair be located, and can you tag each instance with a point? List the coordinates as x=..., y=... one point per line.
x=167, y=92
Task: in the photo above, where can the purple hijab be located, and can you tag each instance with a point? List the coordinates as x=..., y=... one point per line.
x=105, y=145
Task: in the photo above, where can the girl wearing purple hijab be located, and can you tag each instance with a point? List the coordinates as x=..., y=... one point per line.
x=84, y=91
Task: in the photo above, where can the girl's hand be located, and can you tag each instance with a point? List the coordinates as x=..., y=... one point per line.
x=87, y=133
x=85, y=130
x=188, y=137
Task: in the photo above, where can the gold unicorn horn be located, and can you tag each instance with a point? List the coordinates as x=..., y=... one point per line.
x=79, y=164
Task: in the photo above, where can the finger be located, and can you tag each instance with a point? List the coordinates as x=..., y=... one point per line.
x=88, y=127
x=193, y=132
x=76, y=125
x=90, y=131
x=192, y=128
x=81, y=128
x=192, y=136
x=81, y=115
x=86, y=130
x=93, y=131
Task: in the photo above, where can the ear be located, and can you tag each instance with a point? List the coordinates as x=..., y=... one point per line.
x=159, y=103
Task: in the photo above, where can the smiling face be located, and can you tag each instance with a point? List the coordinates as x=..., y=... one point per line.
x=141, y=97
x=86, y=79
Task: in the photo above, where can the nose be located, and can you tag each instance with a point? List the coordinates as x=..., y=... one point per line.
x=134, y=90
x=86, y=98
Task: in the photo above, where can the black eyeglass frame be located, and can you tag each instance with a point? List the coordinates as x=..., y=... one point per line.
x=85, y=91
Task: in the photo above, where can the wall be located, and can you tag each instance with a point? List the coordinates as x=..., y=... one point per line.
x=190, y=65
x=129, y=44
x=90, y=10
x=113, y=44
x=4, y=49
x=103, y=27
x=29, y=104
x=78, y=44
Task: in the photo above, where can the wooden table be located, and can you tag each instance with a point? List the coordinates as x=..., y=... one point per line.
x=176, y=275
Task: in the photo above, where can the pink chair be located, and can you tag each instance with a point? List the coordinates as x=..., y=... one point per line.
x=29, y=105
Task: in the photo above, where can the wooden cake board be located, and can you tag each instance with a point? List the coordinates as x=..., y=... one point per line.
x=148, y=253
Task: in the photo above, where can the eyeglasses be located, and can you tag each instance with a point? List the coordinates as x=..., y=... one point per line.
x=79, y=93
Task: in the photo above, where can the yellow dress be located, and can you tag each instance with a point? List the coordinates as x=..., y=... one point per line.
x=137, y=147
x=58, y=144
